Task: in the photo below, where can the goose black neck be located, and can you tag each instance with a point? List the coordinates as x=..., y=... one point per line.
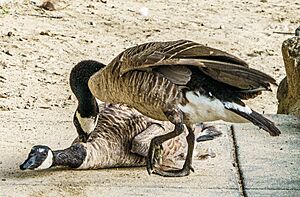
x=87, y=105
x=71, y=157
x=79, y=77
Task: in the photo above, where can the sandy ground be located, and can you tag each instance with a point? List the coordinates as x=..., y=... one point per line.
x=38, y=48
x=44, y=45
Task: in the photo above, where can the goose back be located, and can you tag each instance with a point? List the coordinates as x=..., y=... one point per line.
x=122, y=138
x=154, y=77
x=136, y=89
x=109, y=144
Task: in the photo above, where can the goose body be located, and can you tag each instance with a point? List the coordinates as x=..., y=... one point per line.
x=121, y=138
x=159, y=74
x=108, y=145
x=183, y=82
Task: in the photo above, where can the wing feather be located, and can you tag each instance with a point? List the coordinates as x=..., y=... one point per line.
x=175, y=59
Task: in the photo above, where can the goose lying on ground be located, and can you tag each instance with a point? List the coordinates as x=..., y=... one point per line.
x=120, y=137
x=183, y=82
x=109, y=145
x=115, y=142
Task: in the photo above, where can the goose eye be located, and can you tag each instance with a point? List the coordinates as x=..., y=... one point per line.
x=44, y=154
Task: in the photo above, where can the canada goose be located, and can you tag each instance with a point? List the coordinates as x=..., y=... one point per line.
x=87, y=112
x=108, y=145
x=115, y=142
x=183, y=82
x=121, y=136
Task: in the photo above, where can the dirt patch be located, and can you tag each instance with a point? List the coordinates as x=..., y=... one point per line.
x=39, y=47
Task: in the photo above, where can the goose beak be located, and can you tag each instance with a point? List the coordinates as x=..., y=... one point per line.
x=28, y=163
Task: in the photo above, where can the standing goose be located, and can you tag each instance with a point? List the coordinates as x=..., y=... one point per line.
x=119, y=137
x=183, y=82
x=87, y=112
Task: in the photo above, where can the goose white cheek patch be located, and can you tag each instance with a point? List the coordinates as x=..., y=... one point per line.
x=48, y=161
x=87, y=124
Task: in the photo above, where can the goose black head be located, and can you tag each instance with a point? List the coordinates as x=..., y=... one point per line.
x=86, y=115
x=40, y=157
x=80, y=76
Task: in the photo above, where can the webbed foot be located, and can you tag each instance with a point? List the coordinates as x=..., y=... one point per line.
x=185, y=171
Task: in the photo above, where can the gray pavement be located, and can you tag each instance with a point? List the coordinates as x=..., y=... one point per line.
x=270, y=167
x=248, y=162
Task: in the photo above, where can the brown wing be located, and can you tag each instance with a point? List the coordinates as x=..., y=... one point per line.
x=179, y=56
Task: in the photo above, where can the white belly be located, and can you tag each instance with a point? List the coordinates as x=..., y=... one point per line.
x=202, y=109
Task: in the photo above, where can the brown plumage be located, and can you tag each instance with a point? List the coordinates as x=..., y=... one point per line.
x=183, y=82
x=116, y=140
x=121, y=139
x=110, y=135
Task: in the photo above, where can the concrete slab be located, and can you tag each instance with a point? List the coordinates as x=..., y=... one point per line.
x=22, y=129
x=270, y=165
x=277, y=192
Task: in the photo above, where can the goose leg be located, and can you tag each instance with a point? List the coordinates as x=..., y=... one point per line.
x=155, y=146
x=187, y=166
x=176, y=117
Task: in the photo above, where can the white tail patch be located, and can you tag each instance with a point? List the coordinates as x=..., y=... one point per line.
x=231, y=105
x=201, y=108
x=48, y=161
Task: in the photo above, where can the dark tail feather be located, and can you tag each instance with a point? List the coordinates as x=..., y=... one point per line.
x=259, y=121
